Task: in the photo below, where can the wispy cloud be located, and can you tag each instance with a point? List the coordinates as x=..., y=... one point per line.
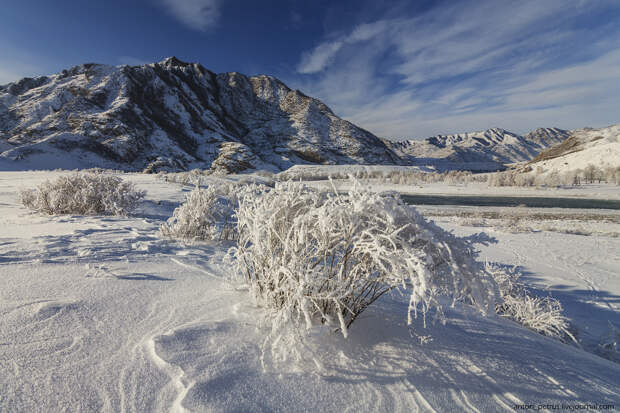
x=321, y=56
x=472, y=65
x=196, y=14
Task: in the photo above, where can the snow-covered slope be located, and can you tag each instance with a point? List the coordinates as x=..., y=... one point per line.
x=173, y=115
x=487, y=150
x=587, y=146
x=103, y=314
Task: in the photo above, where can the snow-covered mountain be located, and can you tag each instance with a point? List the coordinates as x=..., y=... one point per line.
x=173, y=115
x=488, y=150
x=598, y=147
x=546, y=137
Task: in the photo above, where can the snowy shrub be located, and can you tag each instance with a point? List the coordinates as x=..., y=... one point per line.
x=264, y=173
x=472, y=222
x=206, y=214
x=612, y=175
x=83, y=194
x=591, y=172
x=524, y=179
x=543, y=315
x=553, y=178
x=313, y=258
x=193, y=177
x=400, y=176
x=517, y=221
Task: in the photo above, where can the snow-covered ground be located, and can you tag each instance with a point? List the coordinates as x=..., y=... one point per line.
x=317, y=175
x=588, y=191
x=598, y=147
x=102, y=314
x=570, y=254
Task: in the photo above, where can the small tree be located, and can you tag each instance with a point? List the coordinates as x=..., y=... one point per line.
x=599, y=175
x=590, y=173
x=578, y=176
x=553, y=179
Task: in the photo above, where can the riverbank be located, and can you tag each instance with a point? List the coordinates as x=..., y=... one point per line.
x=587, y=191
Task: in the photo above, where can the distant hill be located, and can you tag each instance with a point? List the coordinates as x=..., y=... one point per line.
x=488, y=150
x=599, y=147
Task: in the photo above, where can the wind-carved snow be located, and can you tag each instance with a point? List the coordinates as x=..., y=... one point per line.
x=101, y=314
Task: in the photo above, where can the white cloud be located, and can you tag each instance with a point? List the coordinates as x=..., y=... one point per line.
x=322, y=55
x=584, y=94
x=319, y=58
x=453, y=96
x=470, y=65
x=196, y=14
x=603, y=69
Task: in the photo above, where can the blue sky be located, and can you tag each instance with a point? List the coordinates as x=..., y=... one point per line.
x=397, y=68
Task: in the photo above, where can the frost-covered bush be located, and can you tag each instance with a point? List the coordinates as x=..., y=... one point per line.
x=83, y=194
x=206, y=214
x=541, y=314
x=415, y=177
x=313, y=258
x=193, y=177
x=554, y=178
x=386, y=175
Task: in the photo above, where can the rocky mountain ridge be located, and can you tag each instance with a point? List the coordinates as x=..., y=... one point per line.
x=599, y=147
x=488, y=150
x=174, y=115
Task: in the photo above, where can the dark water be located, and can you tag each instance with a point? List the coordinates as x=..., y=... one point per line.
x=511, y=201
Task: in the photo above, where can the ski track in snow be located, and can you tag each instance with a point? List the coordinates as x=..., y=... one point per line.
x=105, y=315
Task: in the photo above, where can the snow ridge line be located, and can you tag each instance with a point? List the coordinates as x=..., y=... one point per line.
x=175, y=373
x=195, y=268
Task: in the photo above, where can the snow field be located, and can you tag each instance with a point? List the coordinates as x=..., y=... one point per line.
x=590, y=191
x=103, y=314
x=581, y=268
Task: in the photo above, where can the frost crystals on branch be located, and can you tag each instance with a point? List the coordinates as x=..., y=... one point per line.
x=313, y=257
x=543, y=315
x=207, y=214
x=83, y=194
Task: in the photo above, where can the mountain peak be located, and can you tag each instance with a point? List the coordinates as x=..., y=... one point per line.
x=174, y=61
x=497, y=130
x=485, y=150
x=173, y=115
